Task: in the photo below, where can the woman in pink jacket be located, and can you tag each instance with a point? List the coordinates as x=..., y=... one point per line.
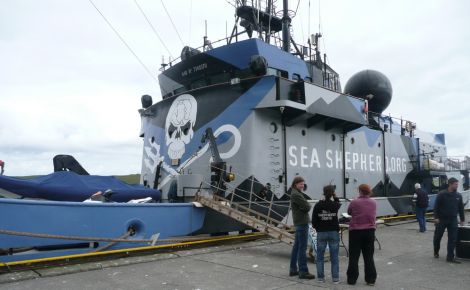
x=362, y=235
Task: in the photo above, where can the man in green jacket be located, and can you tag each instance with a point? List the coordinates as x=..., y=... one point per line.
x=300, y=208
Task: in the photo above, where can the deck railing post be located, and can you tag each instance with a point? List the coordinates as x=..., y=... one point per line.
x=270, y=207
x=251, y=192
x=231, y=198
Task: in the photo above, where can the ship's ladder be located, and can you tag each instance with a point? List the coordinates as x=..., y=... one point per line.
x=252, y=218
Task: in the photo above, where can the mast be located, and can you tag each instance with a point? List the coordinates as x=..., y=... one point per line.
x=269, y=10
x=285, y=27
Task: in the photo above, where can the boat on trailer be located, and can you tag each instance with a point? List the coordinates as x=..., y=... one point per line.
x=240, y=121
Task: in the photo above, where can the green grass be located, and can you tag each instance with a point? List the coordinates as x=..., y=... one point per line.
x=131, y=178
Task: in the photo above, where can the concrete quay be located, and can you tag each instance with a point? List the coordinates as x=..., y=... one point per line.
x=405, y=261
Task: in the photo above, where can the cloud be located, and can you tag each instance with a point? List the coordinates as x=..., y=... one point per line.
x=68, y=85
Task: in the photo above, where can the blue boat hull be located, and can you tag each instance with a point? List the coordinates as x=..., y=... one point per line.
x=101, y=220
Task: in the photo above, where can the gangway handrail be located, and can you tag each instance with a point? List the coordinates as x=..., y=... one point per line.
x=257, y=221
x=233, y=194
x=251, y=211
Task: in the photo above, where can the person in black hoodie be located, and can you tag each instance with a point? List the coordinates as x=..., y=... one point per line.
x=325, y=222
x=446, y=207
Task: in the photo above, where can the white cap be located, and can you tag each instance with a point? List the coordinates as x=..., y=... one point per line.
x=417, y=185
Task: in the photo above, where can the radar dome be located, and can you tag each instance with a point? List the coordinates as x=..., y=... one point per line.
x=373, y=86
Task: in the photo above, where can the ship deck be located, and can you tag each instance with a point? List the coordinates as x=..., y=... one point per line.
x=405, y=261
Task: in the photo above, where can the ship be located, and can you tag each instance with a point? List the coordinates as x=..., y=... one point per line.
x=263, y=109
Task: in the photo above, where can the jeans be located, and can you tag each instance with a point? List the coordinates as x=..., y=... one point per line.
x=299, y=251
x=361, y=241
x=452, y=228
x=332, y=239
x=420, y=212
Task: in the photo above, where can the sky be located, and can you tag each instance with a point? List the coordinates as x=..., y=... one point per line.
x=69, y=85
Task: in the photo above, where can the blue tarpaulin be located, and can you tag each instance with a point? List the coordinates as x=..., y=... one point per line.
x=69, y=186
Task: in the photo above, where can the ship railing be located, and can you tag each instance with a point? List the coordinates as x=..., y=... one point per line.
x=174, y=61
x=393, y=125
x=446, y=163
x=331, y=81
x=305, y=52
x=302, y=52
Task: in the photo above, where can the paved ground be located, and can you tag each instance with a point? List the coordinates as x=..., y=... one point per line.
x=404, y=262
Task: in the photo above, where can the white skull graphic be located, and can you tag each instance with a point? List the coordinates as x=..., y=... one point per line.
x=179, y=125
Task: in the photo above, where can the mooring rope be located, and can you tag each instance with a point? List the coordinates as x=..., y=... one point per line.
x=97, y=239
x=107, y=246
x=94, y=239
x=62, y=237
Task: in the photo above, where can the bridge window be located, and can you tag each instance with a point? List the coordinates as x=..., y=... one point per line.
x=198, y=83
x=220, y=78
x=179, y=90
x=276, y=72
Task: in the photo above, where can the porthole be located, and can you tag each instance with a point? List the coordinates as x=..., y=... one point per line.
x=273, y=127
x=303, y=132
x=379, y=144
x=352, y=140
x=333, y=137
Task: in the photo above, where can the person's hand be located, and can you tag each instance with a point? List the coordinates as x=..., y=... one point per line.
x=335, y=198
x=436, y=221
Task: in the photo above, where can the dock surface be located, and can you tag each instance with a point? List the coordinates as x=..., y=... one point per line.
x=405, y=261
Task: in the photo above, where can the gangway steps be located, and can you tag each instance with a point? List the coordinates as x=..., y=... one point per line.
x=249, y=217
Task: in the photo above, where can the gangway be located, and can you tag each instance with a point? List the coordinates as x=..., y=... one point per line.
x=246, y=215
x=261, y=222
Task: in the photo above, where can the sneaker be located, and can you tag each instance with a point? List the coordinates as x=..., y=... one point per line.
x=306, y=276
x=370, y=284
x=321, y=280
x=336, y=282
x=293, y=273
x=436, y=255
x=454, y=261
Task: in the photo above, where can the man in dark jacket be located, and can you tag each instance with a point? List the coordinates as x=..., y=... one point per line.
x=422, y=202
x=448, y=204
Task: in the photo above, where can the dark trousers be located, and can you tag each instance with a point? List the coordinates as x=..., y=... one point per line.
x=452, y=228
x=421, y=217
x=361, y=241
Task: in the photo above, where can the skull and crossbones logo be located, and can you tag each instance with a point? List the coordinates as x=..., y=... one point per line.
x=179, y=125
